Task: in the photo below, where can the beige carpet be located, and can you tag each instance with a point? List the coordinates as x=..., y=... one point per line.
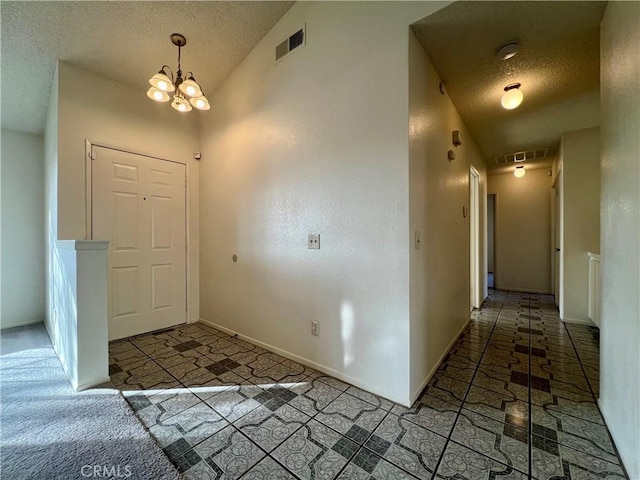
x=48, y=431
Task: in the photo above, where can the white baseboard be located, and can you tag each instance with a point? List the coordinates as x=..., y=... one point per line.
x=578, y=321
x=523, y=290
x=20, y=324
x=416, y=393
x=92, y=384
x=305, y=361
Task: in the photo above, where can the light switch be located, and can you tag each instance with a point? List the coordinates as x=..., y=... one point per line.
x=456, y=138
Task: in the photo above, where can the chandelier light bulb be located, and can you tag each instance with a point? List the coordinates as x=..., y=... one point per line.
x=519, y=171
x=512, y=97
x=180, y=104
x=201, y=103
x=162, y=82
x=158, y=95
x=190, y=87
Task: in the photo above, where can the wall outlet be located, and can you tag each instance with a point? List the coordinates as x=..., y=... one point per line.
x=315, y=328
x=314, y=241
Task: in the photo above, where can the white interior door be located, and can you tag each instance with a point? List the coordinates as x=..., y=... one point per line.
x=474, y=240
x=138, y=204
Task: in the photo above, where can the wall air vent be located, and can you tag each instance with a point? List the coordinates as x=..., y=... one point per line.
x=517, y=157
x=298, y=39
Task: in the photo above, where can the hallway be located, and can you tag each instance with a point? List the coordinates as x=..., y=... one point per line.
x=515, y=398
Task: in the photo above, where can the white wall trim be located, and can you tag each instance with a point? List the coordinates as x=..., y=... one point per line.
x=522, y=290
x=418, y=391
x=475, y=228
x=302, y=360
x=88, y=189
x=579, y=321
x=85, y=386
x=66, y=244
x=23, y=323
x=189, y=251
x=82, y=244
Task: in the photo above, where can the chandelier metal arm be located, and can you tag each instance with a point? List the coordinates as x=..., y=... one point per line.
x=170, y=71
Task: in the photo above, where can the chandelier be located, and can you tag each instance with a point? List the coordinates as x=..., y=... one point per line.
x=187, y=92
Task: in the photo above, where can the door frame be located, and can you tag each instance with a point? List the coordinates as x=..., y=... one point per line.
x=495, y=236
x=557, y=256
x=475, y=256
x=89, y=157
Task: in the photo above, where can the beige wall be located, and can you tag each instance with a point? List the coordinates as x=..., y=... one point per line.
x=523, y=230
x=580, y=162
x=620, y=229
x=316, y=143
x=438, y=190
x=119, y=116
x=22, y=293
x=123, y=117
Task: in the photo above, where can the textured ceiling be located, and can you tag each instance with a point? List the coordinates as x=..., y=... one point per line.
x=558, y=66
x=124, y=41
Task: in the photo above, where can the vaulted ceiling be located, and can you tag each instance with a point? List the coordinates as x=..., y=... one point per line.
x=558, y=66
x=124, y=41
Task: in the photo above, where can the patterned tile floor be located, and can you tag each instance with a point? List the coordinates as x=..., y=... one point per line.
x=513, y=399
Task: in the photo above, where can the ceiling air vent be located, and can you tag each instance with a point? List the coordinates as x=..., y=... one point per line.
x=517, y=157
x=296, y=40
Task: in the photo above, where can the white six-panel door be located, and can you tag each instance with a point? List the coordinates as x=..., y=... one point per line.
x=138, y=204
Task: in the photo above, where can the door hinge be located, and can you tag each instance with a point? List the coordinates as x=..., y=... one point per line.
x=92, y=155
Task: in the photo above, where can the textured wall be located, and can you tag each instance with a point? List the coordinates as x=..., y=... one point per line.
x=523, y=231
x=581, y=223
x=122, y=117
x=438, y=189
x=22, y=229
x=316, y=143
x=620, y=229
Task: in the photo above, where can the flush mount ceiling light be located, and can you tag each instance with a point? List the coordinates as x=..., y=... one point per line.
x=512, y=97
x=519, y=171
x=188, y=92
x=508, y=50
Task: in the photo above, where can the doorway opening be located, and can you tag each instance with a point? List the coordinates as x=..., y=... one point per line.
x=491, y=240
